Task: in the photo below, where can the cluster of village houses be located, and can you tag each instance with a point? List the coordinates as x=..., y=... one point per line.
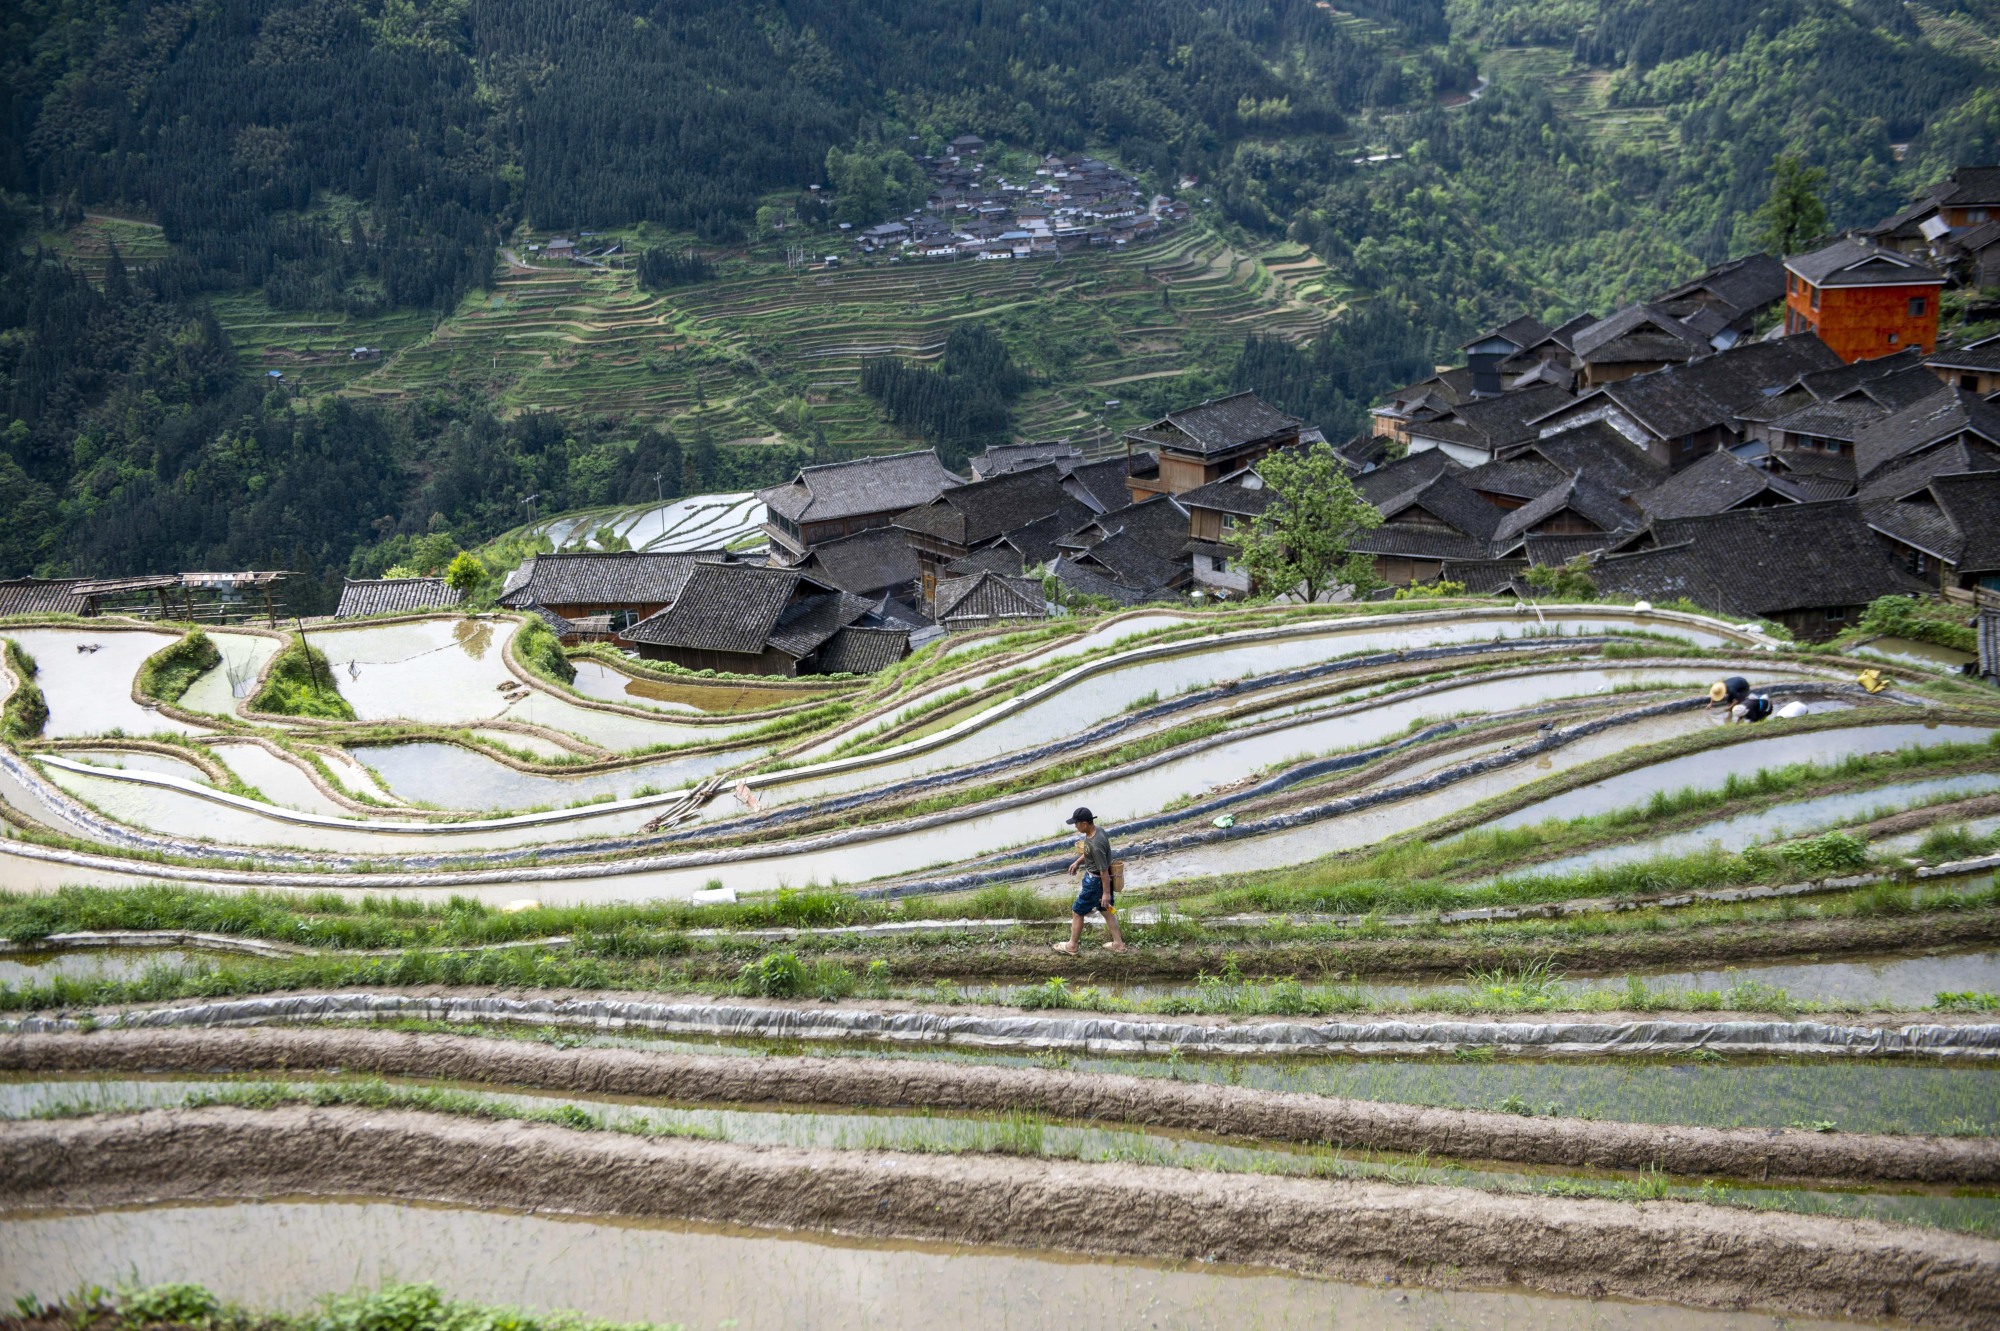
x=1073, y=202
x=1793, y=475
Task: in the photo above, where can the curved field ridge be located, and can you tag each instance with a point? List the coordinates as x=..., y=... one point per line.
x=1084, y=1033
x=1082, y=1097
x=1692, y=1253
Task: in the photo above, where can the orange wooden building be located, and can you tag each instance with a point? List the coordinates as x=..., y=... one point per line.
x=1862, y=300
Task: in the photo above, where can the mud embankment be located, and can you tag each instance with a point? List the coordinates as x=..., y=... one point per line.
x=1683, y=1252
x=1083, y=1097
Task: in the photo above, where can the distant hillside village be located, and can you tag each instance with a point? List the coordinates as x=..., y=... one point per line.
x=1073, y=202
x=1775, y=438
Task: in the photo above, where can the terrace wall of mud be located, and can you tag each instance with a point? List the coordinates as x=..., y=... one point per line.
x=1079, y=1097
x=1688, y=1253
x=1005, y=1028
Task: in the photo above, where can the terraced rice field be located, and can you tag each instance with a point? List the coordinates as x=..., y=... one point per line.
x=733, y=358
x=1467, y=950
x=1581, y=93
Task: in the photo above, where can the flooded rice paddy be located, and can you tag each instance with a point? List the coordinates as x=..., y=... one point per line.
x=1710, y=769
x=89, y=692
x=222, y=688
x=1775, y=823
x=961, y=1133
x=286, y=1254
x=21, y=969
x=1909, y=651
x=447, y=776
x=128, y=760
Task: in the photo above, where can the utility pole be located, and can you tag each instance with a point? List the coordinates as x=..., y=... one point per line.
x=659, y=488
x=530, y=502
x=311, y=667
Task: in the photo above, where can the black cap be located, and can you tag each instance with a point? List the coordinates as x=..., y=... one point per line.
x=1082, y=815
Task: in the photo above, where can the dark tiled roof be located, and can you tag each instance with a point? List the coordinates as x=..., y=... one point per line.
x=1231, y=495
x=810, y=620
x=1940, y=416
x=1717, y=483
x=1564, y=334
x=1589, y=501
x=1970, y=502
x=627, y=577
x=1095, y=582
x=1841, y=420
x=1132, y=563
x=1447, y=387
x=1103, y=482
x=1522, y=332
x=1745, y=284
x=557, y=625
x=1977, y=238
x=1715, y=390
x=41, y=596
x=1446, y=500
x=1494, y=422
x=1971, y=186
x=1896, y=391
x=1159, y=526
x=989, y=596
x=1001, y=458
x=866, y=563
x=382, y=596
x=835, y=490
x=1409, y=472
x=1910, y=474
x=1412, y=541
x=1522, y=477
x=1638, y=332
x=974, y=514
x=1836, y=380
x=1561, y=547
x=993, y=559
x=1760, y=561
x=1979, y=356
x=1600, y=452
x=1482, y=577
x=1854, y=262
x=1036, y=543
x=1218, y=427
x=863, y=651
x=724, y=608
x=1814, y=476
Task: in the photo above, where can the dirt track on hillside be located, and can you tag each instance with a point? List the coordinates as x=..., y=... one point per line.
x=1229, y=1111
x=1684, y=1252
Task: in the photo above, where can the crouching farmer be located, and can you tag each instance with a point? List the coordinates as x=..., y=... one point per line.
x=1093, y=858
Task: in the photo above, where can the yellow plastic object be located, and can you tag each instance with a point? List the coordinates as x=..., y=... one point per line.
x=1871, y=680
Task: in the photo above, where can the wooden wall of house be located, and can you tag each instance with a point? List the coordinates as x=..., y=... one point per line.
x=770, y=661
x=1820, y=622
x=1401, y=570
x=1981, y=382
x=585, y=609
x=1861, y=323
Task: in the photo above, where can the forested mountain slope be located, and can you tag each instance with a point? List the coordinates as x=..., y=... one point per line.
x=325, y=174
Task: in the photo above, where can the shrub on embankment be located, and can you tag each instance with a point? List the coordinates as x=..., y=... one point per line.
x=170, y=672
x=537, y=648
x=300, y=683
x=1921, y=620
x=27, y=711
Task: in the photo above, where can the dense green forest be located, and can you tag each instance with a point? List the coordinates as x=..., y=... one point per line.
x=369, y=157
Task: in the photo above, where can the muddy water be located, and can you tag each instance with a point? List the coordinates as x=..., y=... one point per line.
x=287, y=1254
x=1298, y=845
x=1708, y=771
x=599, y=680
x=188, y=815
x=243, y=658
x=1881, y=1096
x=159, y=764
x=90, y=693
x=1778, y=822
x=450, y=672
x=279, y=780
x=450, y=777
x=1897, y=983
x=961, y=1133
x=1106, y=694
x=1912, y=652
x=21, y=969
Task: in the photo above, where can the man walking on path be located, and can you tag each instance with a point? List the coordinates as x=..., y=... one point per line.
x=1096, y=894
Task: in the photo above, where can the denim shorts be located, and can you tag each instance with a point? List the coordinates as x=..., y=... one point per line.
x=1090, y=896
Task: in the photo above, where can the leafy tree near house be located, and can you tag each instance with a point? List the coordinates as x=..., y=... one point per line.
x=1564, y=582
x=1301, y=541
x=1793, y=216
x=465, y=573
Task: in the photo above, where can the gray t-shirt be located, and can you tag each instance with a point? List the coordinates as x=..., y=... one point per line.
x=1097, y=855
